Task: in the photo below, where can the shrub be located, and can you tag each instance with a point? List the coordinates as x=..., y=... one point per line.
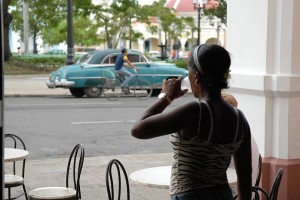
x=180, y=63
x=33, y=64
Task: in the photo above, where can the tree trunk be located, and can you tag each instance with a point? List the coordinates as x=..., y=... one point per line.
x=108, y=38
x=7, y=18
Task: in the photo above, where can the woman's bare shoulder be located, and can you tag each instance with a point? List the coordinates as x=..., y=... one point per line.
x=190, y=106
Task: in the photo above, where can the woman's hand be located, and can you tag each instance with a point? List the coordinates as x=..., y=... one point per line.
x=172, y=87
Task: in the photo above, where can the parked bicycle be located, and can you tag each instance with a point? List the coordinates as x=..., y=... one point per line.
x=138, y=86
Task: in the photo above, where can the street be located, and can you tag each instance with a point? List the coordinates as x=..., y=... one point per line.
x=51, y=126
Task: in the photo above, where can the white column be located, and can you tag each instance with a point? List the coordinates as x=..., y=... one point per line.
x=265, y=44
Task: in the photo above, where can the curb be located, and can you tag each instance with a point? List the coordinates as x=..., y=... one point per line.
x=36, y=95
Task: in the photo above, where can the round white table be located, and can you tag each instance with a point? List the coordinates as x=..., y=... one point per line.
x=11, y=154
x=159, y=177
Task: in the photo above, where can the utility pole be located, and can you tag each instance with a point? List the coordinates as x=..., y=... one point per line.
x=70, y=40
x=1, y=101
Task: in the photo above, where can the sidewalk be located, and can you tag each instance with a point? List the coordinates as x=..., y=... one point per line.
x=30, y=85
x=40, y=173
x=51, y=172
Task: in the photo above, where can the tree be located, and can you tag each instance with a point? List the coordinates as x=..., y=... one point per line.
x=218, y=10
x=7, y=19
x=173, y=26
x=85, y=34
x=190, y=28
x=115, y=19
x=48, y=17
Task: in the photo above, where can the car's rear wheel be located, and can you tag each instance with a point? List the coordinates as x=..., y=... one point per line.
x=77, y=92
x=93, y=92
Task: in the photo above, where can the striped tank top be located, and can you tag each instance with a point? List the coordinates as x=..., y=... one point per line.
x=199, y=164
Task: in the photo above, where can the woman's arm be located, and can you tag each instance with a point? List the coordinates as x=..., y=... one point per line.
x=243, y=164
x=154, y=123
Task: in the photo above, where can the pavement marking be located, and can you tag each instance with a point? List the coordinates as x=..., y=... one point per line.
x=68, y=104
x=103, y=122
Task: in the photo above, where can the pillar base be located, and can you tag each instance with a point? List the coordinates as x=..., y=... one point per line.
x=289, y=187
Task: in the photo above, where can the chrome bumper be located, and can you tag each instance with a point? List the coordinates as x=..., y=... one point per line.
x=61, y=83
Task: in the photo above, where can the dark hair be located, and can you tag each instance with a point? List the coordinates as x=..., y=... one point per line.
x=124, y=50
x=214, y=62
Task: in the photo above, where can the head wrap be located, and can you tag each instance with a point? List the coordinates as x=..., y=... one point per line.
x=196, y=61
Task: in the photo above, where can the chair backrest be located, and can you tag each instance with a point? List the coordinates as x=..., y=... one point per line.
x=276, y=184
x=274, y=190
x=109, y=179
x=77, y=164
x=14, y=141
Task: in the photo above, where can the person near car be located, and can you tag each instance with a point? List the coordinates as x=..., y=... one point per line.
x=204, y=134
x=19, y=53
x=119, y=69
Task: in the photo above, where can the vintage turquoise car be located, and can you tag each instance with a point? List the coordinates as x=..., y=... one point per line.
x=89, y=74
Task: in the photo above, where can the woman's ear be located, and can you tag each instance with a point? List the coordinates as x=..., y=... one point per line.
x=197, y=76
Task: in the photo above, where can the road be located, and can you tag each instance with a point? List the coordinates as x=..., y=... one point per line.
x=51, y=126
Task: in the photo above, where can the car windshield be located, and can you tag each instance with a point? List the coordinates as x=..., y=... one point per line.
x=84, y=59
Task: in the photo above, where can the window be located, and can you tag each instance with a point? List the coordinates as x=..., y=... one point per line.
x=136, y=58
x=113, y=59
x=84, y=59
x=106, y=61
x=110, y=59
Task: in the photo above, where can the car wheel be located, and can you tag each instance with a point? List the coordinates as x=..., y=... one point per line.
x=93, y=92
x=155, y=92
x=77, y=92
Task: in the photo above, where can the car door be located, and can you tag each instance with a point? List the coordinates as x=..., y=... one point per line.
x=145, y=71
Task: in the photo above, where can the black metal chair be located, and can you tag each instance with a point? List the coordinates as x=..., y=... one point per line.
x=110, y=178
x=15, y=179
x=67, y=192
x=258, y=177
x=274, y=190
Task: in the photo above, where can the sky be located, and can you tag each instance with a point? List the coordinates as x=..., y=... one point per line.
x=143, y=2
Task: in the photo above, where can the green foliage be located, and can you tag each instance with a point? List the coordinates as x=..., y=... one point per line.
x=180, y=63
x=173, y=26
x=85, y=33
x=48, y=20
x=33, y=64
x=115, y=20
x=220, y=12
x=108, y=21
x=41, y=60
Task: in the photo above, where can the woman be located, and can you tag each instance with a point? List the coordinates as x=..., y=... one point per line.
x=204, y=134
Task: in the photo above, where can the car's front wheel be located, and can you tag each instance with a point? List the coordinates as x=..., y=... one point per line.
x=93, y=92
x=77, y=92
